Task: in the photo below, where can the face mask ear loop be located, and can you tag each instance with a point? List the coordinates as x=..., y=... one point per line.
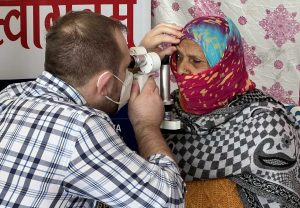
x=108, y=98
x=100, y=77
x=118, y=79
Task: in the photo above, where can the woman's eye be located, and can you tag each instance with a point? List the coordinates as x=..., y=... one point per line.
x=179, y=57
x=196, y=61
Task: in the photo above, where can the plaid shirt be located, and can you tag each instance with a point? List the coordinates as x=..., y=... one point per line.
x=57, y=152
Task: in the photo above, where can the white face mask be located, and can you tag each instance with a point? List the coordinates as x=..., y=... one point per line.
x=126, y=89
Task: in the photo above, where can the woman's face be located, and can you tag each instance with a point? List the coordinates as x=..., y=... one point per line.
x=190, y=58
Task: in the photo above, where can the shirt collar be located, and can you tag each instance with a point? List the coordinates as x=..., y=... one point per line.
x=61, y=87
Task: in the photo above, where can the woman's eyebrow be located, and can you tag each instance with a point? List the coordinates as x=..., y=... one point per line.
x=195, y=56
x=188, y=54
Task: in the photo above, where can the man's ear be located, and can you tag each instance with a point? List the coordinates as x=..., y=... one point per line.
x=103, y=82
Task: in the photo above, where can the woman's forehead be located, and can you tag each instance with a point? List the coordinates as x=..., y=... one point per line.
x=189, y=46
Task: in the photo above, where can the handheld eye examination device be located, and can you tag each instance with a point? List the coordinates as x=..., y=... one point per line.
x=149, y=63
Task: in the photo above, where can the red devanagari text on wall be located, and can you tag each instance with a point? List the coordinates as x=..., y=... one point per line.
x=18, y=11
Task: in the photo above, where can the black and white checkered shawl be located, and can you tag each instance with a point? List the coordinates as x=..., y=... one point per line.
x=254, y=141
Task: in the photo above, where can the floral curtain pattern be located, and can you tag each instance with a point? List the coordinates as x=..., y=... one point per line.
x=271, y=37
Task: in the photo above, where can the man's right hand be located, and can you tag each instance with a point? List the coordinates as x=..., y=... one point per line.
x=145, y=111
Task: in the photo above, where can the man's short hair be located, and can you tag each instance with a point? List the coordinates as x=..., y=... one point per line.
x=80, y=44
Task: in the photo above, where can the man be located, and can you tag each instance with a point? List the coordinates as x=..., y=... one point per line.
x=58, y=147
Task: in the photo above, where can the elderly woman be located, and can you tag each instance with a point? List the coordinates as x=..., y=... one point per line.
x=240, y=147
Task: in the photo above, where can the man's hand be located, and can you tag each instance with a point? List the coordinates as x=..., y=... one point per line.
x=145, y=111
x=162, y=34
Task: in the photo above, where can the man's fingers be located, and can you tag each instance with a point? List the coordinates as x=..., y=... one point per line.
x=167, y=31
x=165, y=28
x=168, y=51
x=170, y=25
x=156, y=40
x=149, y=85
x=156, y=90
x=135, y=90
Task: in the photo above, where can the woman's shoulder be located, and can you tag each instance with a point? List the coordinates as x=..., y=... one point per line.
x=254, y=96
x=265, y=110
x=247, y=108
x=257, y=102
x=255, y=108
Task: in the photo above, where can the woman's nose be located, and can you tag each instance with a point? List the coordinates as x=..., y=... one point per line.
x=183, y=68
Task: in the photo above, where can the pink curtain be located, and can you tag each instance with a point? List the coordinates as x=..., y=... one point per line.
x=271, y=37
